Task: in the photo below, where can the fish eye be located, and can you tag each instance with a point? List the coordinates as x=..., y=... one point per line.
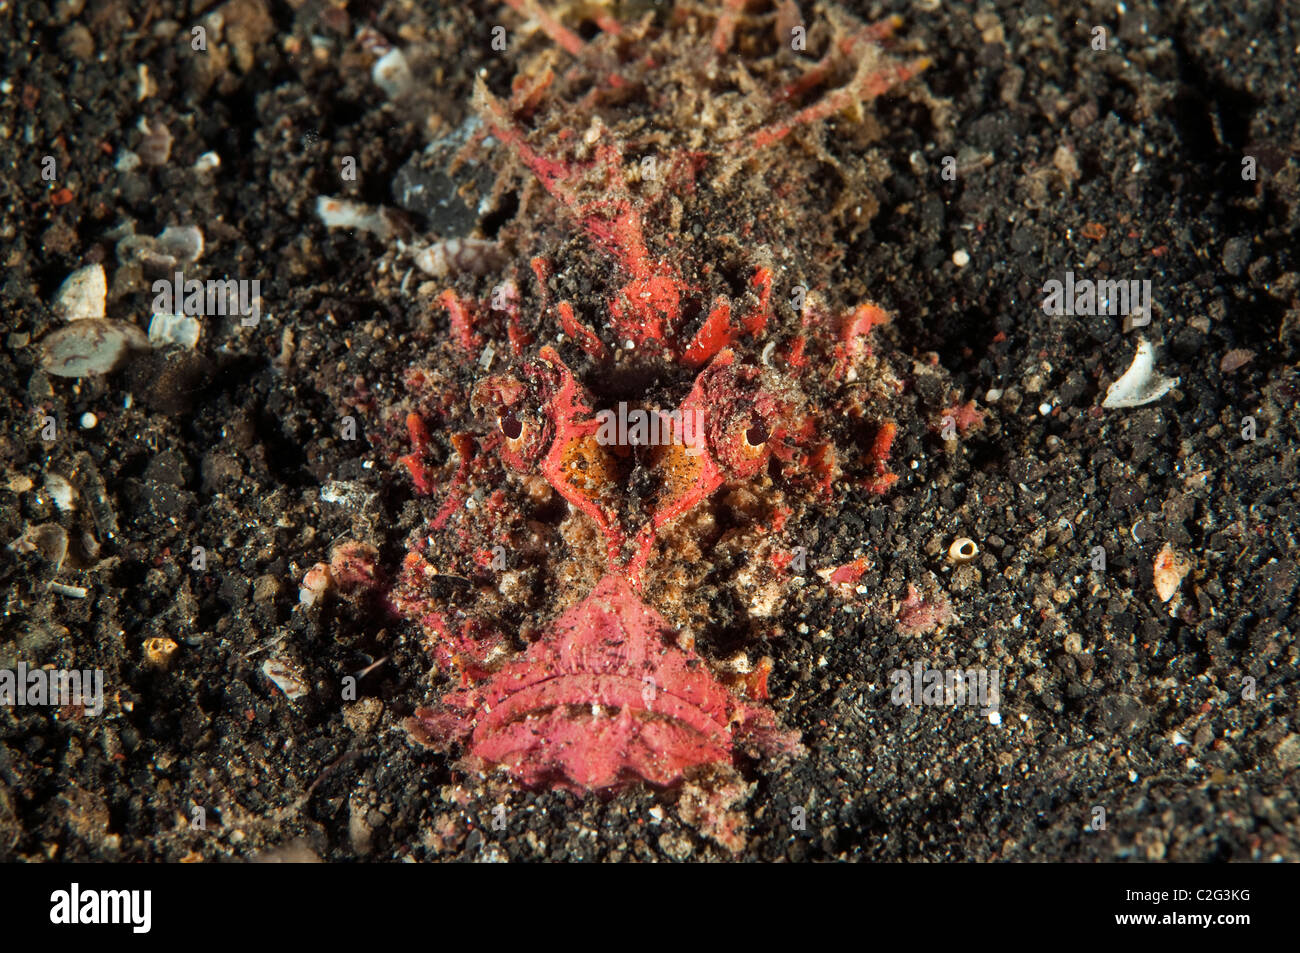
x=757, y=434
x=511, y=426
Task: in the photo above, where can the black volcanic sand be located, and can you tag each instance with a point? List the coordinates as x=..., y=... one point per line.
x=1124, y=163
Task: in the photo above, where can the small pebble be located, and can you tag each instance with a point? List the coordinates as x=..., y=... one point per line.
x=156, y=145
x=182, y=242
x=82, y=294
x=50, y=540
x=392, y=74
x=961, y=258
x=1236, y=255
x=178, y=329
x=266, y=588
x=89, y=421
x=1235, y=359
x=91, y=346
x=77, y=42
x=159, y=652
x=207, y=162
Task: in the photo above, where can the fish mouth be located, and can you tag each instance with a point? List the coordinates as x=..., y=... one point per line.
x=585, y=690
x=601, y=700
x=611, y=736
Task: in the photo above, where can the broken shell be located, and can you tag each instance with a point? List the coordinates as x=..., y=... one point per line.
x=1140, y=384
x=286, y=676
x=392, y=73
x=72, y=592
x=345, y=213
x=207, y=162
x=315, y=584
x=48, y=539
x=179, y=329
x=91, y=346
x=1168, y=572
x=456, y=255
x=142, y=249
x=82, y=294
x=182, y=242
x=175, y=246
x=1235, y=359
x=962, y=550
x=89, y=546
x=156, y=145
x=61, y=492
x=159, y=651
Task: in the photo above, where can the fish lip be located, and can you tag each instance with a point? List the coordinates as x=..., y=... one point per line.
x=608, y=689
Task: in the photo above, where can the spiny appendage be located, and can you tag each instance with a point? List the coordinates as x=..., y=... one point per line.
x=648, y=307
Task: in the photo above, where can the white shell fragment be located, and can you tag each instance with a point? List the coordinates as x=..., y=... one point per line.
x=72, y=592
x=455, y=255
x=82, y=294
x=61, y=492
x=345, y=493
x=179, y=329
x=392, y=74
x=1168, y=572
x=182, y=242
x=1140, y=384
x=91, y=346
x=156, y=145
x=177, y=245
x=962, y=550
x=207, y=162
x=286, y=676
x=345, y=213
